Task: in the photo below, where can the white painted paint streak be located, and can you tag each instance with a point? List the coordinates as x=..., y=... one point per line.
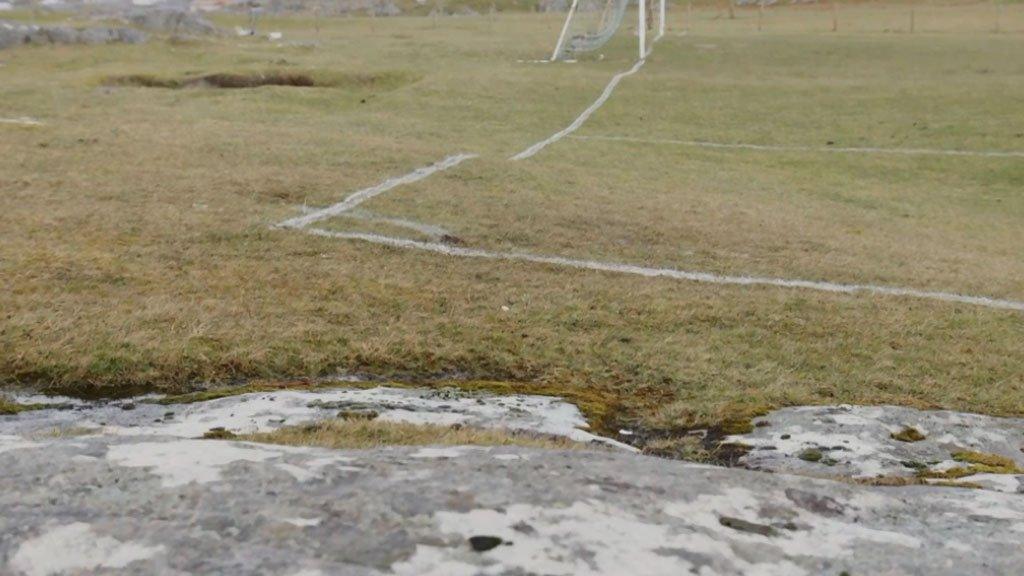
x=835, y=149
x=705, y=277
x=361, y=196
x=23, y=121
x=582, y=118
x=76, y=548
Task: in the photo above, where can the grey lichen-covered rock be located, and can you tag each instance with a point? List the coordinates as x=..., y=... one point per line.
x=265, y=411
x=172, y=21
x=384, y=8
x=866, y=442
x=15, y=33
x=158, y=505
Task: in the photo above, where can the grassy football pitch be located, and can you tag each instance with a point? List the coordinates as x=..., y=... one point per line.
x=138, y=249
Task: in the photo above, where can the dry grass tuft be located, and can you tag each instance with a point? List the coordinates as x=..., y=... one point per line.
x=992, y=463
x=360, y=434
x=908, y=434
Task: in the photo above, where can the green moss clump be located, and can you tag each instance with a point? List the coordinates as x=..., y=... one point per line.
x=976, y=463
x=908, y=434
x=914, y=465
x=219, y=433
x=7, y=407
x=811, y=455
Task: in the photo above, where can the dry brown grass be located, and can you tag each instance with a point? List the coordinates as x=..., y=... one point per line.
x=357, y=433
x=136, y=249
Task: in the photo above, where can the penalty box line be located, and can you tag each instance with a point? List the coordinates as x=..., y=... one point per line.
x=357, y=198
x=704, y=277
x=783, y=148
x=589, y=111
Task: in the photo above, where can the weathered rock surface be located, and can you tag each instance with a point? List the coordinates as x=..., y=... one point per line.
x=126, y=487
x=264, y=411
x=157, y=505
x=171, y=21
x=865, y=442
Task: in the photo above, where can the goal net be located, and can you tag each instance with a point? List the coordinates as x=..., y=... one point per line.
x=590, y=24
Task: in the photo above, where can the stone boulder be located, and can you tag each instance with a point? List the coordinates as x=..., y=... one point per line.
x=172, y=22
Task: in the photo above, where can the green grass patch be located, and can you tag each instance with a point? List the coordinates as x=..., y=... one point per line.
x=160, y=272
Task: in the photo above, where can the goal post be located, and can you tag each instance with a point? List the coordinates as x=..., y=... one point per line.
x=590, y=24
x=565, y=30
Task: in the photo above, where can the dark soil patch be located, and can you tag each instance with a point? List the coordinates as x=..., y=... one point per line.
x=706, y=445
x=227, y=80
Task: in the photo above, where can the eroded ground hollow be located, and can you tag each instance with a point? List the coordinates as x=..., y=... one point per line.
x=237, y=80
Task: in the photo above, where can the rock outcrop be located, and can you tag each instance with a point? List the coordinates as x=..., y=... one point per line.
x=16, y=33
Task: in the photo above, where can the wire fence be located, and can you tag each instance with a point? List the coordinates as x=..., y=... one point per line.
x=988, y=16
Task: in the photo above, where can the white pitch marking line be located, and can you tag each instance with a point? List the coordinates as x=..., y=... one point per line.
x=671, y=273
x=775, y=148
x=23, y=121
x=361, y=196
x=582, y=117
x=428, y=229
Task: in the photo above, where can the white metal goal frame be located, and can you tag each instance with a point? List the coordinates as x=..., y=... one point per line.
x=643, y=44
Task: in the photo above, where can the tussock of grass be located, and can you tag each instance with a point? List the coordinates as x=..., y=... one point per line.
x=681, y=448
x=361, y=434
x=908, y=434
x=994, y=461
